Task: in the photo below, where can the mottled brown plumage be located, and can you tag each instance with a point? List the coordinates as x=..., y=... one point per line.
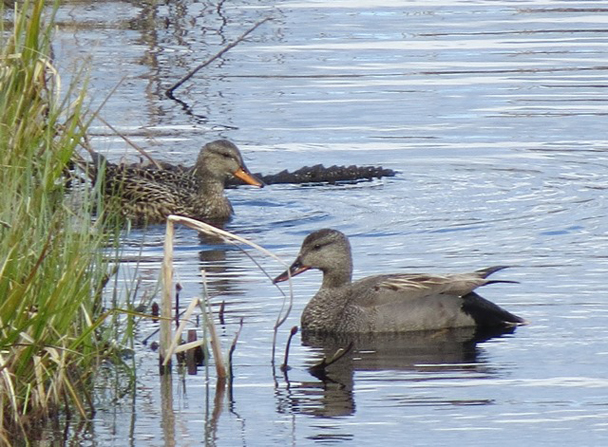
x=147, y=195
x=389, y=303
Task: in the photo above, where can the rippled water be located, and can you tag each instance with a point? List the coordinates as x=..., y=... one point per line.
x=494, y=114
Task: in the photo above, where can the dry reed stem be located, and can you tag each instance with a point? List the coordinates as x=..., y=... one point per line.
x=220, y=367
x=292, y=333
x=216, y=347
x=39, y=372
x=168, y=344
x=165, y=308
x=8, y=389
x=190, y=345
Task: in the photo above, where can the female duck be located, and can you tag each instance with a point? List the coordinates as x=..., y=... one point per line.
x=389, y=303
x=150, y=195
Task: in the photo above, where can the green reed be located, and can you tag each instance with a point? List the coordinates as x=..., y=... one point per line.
x=52, y=267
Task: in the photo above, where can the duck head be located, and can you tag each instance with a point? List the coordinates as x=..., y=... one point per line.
x=326, y=250
x=222, y=159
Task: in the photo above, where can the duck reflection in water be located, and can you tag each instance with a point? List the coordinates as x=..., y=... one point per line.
x=413, y=356
x=222, y=264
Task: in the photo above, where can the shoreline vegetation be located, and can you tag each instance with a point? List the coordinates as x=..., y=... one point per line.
x=54, y=333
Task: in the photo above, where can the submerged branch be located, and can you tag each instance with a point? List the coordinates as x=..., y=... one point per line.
x=170, y=90
x=138, y=148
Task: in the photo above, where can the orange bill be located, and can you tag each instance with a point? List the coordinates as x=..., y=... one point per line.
x=244, y=175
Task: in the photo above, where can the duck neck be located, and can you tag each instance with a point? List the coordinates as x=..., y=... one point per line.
x=210, y=186
x=325, y=309
x=339, y=275
x=210, y=199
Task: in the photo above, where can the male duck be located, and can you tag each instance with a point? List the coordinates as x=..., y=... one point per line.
x=389, y=303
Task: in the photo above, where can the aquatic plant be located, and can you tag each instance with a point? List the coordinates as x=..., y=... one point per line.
x=52, y=268
x=169, y=341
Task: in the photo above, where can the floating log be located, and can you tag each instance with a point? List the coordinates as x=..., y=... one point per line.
x=321, y=174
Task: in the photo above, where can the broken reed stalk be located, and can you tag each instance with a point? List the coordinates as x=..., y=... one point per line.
x=285, y=365
x=232, y=348
x=170, y=90
x=173, y=347
x=232, y=239
x=178, y=288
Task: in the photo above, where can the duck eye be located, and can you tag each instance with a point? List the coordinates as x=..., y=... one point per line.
x=316, y=246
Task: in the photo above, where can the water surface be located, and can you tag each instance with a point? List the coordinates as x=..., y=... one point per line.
x=494, y=114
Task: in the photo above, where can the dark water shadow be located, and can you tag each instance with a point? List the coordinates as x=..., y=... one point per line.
x=427, y=355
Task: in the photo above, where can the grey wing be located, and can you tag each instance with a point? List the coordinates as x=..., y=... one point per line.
x=387, y=289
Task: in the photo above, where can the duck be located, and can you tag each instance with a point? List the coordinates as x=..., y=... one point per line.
x=390, y=303
x=147, y=195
